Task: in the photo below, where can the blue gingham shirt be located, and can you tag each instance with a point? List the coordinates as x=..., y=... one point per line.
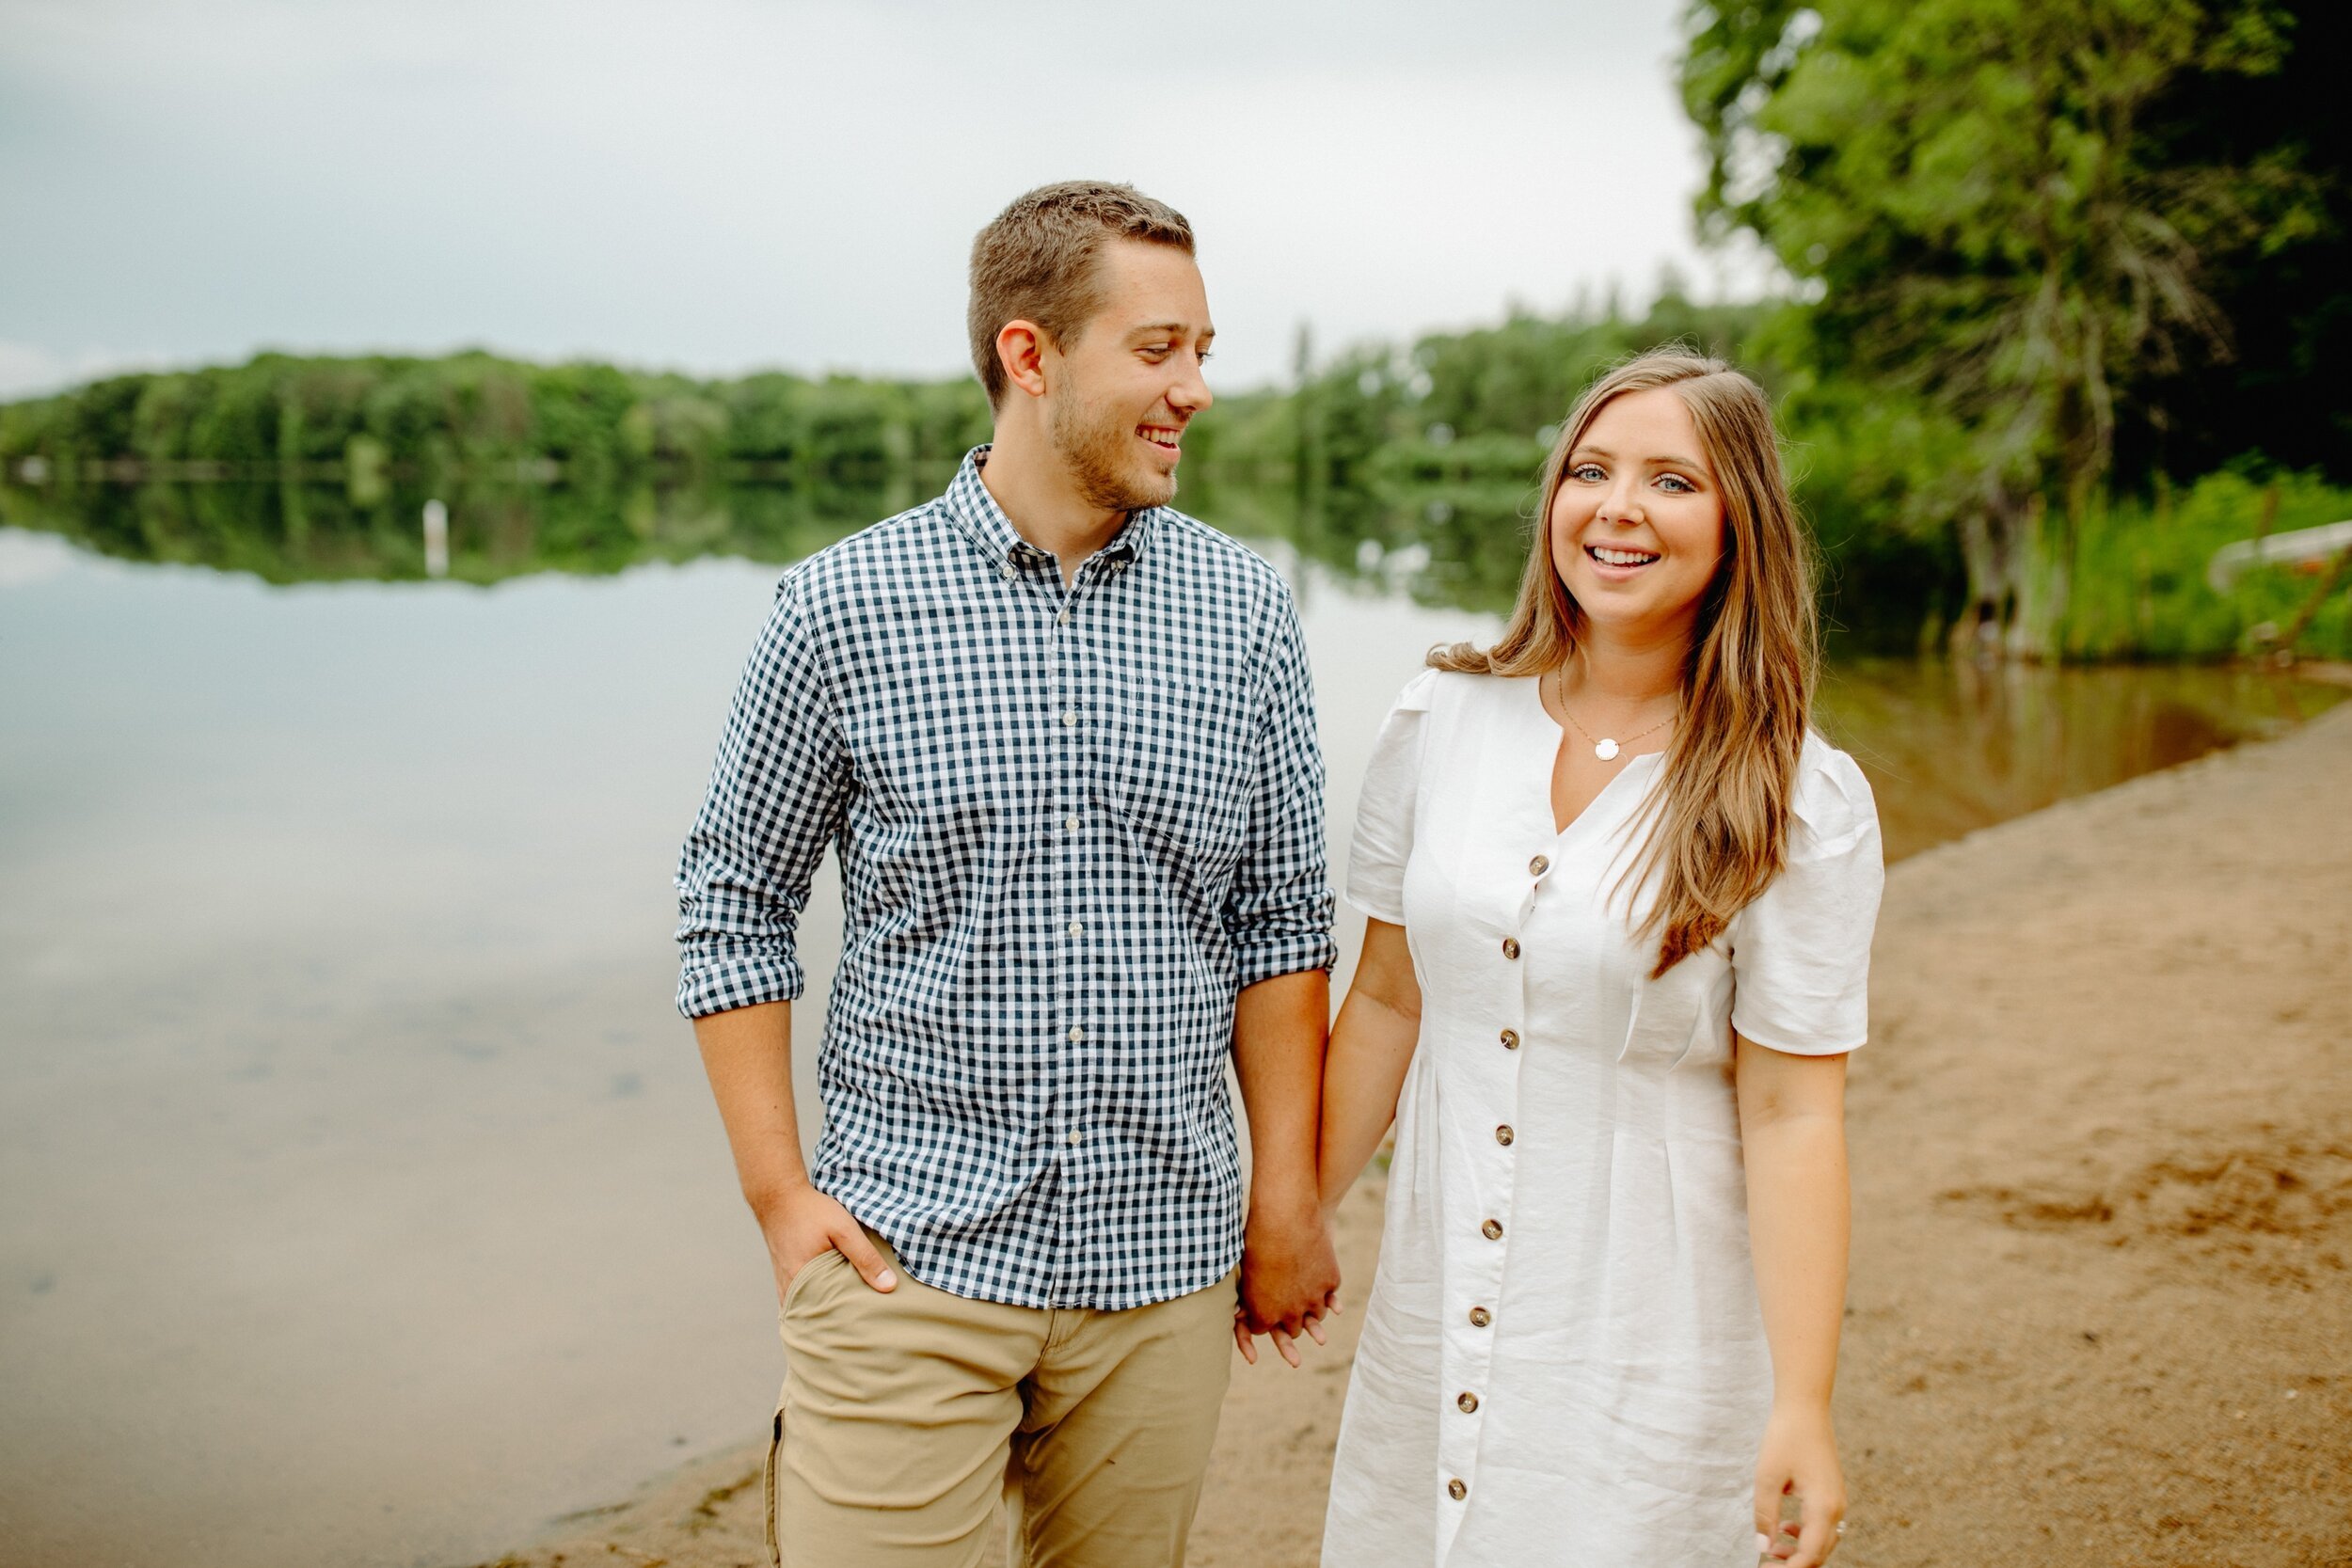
x=1072, y=822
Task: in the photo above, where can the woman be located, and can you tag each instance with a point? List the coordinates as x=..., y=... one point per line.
x=1620, y=899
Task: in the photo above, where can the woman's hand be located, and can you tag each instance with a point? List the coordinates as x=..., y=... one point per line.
x=1798, y=1458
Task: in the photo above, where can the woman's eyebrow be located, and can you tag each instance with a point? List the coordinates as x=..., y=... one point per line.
x=1669, y=460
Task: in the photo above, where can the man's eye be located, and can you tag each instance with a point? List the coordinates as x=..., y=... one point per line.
x=1205, y=357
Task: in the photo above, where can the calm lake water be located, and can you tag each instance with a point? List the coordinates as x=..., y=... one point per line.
x=360, y=1198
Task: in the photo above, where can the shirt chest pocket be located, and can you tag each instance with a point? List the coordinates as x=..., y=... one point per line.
x=1179, y=766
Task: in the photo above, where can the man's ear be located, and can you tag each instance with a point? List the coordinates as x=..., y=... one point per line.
x=1020, y=349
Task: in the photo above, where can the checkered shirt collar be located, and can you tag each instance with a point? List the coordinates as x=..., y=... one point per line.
x=975, y=512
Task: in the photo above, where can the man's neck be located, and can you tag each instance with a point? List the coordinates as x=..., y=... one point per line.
x=1032, y=485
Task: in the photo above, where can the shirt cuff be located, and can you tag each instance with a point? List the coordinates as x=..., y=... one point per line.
x=723, y=982
x=1266, y=957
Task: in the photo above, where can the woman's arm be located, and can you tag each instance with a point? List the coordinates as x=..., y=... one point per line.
x=1792, y=1133
x=1363, y=1069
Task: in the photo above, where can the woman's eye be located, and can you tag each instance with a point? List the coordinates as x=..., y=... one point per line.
x=1675, y=487
x=1586, y=471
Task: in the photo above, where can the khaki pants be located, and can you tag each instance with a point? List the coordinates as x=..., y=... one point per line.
x=911, y=1420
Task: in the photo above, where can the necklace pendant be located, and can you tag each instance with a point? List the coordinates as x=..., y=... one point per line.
x=1605, y=748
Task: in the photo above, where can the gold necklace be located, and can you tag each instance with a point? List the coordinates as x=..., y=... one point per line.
x=1606, y=747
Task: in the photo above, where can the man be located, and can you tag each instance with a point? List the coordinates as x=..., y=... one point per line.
x=1062, y=737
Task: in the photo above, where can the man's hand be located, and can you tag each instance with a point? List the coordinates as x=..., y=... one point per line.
x=1290, y=1277
x=805, y=1224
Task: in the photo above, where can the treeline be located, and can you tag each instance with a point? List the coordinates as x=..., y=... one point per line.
x=372, y=420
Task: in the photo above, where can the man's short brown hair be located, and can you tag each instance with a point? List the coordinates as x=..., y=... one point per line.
x=1039, y=261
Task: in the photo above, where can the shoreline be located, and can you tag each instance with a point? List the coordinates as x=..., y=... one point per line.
x=2102, y=1143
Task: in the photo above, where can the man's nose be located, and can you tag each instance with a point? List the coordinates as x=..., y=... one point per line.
x=1191, y=392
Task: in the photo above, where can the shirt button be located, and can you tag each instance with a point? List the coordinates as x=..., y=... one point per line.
x=1077, y=1138
x=1455, y=1489
x=1510, y=944
x=1077, y=928
x=1503, y=1136
x=1480, y=1317
x=1078, y=1034
x=1537, y=866
x=1510, y=1039
x=1070, y=716
x=1467, y=1404
x=1063, y=619
x=1006, y=571
x=1492, y=1230
x=1069, y=824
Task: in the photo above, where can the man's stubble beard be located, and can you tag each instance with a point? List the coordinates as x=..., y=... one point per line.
x=1095, y=450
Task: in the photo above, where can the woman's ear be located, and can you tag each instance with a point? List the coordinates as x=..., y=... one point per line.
x=1020, y=349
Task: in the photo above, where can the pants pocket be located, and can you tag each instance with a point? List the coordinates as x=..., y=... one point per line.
x=775, y=1451
x=775, y=1438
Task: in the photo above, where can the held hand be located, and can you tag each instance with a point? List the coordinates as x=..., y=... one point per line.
x=1798, y=1460
x=805, y=1224
x=1290, y=1278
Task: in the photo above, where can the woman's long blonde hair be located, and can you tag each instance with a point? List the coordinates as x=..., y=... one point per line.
x=1718, y=831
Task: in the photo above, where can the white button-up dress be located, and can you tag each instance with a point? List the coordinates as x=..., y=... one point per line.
x=1562, y=1360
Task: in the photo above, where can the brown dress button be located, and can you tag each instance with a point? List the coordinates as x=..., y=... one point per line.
x=1467, y=1405
x=1480, y=1317
x=1503, y=1136
x=1455, y=1490
x=1492, y=1230
x=1510, y=948
x=1537, y=866
x=1510, y=1039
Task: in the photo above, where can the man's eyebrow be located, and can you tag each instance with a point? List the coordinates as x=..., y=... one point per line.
x=1180, y=328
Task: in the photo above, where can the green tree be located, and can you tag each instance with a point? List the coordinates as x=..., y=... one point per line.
x=1969, y=189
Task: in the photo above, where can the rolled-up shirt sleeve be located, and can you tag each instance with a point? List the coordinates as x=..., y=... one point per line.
x=776, y=796
x=1277, y=914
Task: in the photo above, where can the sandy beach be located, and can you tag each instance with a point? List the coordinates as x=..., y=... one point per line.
x=2102, y=1300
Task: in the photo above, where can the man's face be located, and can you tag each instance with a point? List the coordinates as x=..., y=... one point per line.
x=1119, y=396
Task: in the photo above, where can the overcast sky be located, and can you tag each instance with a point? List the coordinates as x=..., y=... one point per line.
x=723, y=184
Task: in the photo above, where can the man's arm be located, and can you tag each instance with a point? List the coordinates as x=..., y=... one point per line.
x=748, y=1054
x=776, y=795
x=1289, y=1272
x=1278, y=915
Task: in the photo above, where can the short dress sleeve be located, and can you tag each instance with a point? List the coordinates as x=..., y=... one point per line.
x=1801, y=952
x=1384, y=810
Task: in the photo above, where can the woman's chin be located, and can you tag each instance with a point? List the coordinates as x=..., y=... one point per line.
x=1632, y=605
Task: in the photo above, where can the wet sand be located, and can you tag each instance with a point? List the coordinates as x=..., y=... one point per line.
x=2102, y=1301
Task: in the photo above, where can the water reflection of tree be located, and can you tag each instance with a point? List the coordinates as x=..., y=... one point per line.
x=1473, y=534
x=296, y=532
x=1954, y=745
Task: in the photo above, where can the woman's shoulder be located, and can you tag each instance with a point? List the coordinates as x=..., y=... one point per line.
x=1832, y=802
x=1433, y=689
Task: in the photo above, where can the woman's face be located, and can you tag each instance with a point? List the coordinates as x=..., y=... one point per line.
x=1637, y=524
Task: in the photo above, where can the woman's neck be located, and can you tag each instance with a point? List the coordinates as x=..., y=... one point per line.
x=1626, y=673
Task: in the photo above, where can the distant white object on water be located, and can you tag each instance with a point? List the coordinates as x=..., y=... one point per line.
x=435, y=539
x=2304, y=543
